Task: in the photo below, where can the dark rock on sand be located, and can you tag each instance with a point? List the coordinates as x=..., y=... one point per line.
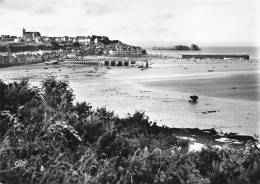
x=193, y=98
x=208, y=112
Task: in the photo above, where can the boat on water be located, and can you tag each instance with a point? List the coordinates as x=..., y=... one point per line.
x=52, y=62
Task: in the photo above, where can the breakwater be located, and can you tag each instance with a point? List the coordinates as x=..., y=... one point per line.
x=215, y=56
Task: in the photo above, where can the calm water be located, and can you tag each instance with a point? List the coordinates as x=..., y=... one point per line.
x=253, y=52
x=237, y=87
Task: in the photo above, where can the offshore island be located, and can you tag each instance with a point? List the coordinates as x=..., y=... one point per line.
x=193, y=47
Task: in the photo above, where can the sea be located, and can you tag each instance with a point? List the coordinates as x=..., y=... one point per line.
x=253, y=52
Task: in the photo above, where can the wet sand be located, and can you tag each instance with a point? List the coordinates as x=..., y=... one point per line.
x=168, y=85
x=163, y=90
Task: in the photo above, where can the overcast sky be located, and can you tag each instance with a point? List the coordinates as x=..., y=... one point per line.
x=138, y=22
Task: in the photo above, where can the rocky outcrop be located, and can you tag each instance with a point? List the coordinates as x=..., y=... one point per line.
x=178, y=47
x=194, y=47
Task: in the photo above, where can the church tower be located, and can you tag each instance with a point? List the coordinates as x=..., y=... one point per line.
x=23, y=31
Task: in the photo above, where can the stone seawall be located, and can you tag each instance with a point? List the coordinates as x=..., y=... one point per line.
x=2, y=65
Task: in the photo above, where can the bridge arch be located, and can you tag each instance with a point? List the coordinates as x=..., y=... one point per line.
x=119, y=63
x=113, y=63
x=106, y=63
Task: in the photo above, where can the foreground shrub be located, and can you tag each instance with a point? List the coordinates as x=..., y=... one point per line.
x=15, y=95
x=57, y=93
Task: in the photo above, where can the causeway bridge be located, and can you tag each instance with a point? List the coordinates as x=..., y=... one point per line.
x=108, y=62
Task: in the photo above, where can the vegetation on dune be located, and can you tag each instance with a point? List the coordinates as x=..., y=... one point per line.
x=45, y=138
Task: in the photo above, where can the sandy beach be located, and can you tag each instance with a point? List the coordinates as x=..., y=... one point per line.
x=228, y=94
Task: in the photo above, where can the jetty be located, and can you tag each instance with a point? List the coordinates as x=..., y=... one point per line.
x=215, y=56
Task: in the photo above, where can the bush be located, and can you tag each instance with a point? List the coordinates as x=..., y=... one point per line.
x=57, y=93
x=14, y=95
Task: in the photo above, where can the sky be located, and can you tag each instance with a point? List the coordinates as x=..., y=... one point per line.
x=145, y=23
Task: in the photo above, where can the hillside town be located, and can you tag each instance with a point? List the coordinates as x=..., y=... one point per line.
x=32, y=47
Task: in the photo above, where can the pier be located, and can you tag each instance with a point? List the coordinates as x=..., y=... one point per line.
x=216, y=56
